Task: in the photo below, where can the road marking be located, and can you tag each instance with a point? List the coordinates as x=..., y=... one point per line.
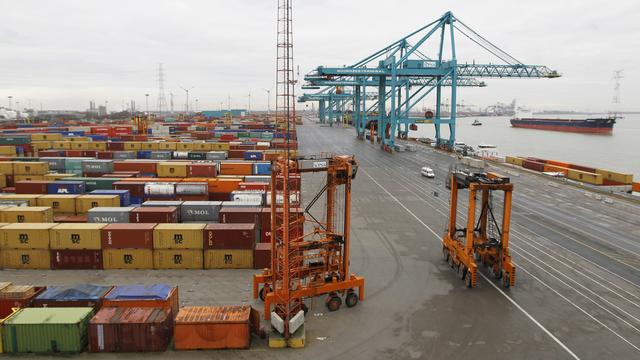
x=513, y=302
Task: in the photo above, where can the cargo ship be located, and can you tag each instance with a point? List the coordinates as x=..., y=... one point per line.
x=589, y=126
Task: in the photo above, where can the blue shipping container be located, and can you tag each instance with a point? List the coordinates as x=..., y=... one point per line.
x=125, y=199
x=66, y=187
x=135, y=200
x=74, y=292
x=98, y=137
x=139, y=291
x=262, y=169
x=253, y=155
x=72, y=133
x=144, y=154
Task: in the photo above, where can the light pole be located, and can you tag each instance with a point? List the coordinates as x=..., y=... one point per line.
x=196, y=105
x=18, y=110
x=147, y=102
x=268, y=101
x=106, y=104
x=187, y=103
x=10, y=97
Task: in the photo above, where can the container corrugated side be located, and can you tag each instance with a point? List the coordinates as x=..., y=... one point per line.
x=25, y=236
x=178, y=236
x=202, y=327
x=127, y=259
x=77, y=236
x=177, y=259
x=228, y=259
x=25, y=259
x=156, y=295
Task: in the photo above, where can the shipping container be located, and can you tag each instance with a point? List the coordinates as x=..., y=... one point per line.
x=262, y=256
x=31, y=199
x=172, y=169
x=125, y=199
x=219, y=185
x=582, y=168
x=626, y=179
x=204, y=328
x=17, y=178
x=207, y=170
x=97, y=166
x=25, y=259
x=240, y=215
x=228, y=259
x=178, y=236
x=17, y=297
x=101, y=183
x=236, y=168
x=587, y=177
x=86, y=202
x=21, y=214
x=144, y=296
x=66, y=187
x=159, y=190
x=128, y=236
x=177, y=259
x=145, y=167
x=60, y=204
x=167, y=214
x=514, y=160
x=115, y=329
x=136, y=189
x=47, y=330
x=30, y=168
x=76, y=259
x=26, y=236
x=127, y=259
x=77, y=237
x=109, y=214
x=200, y=211
x=31, y=186
x=78, y=295
x=554, y=168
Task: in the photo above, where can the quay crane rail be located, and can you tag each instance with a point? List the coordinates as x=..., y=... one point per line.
x=483, y=242
x=395, y=69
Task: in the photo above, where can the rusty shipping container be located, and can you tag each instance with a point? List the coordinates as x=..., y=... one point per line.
x=76, y=259
x=143, y=296
x=128, y=236
x=31, y=187
x=230, y=236
x=115, y=329
x=262, y=256
x=17, y=296
x=207, y=327
x=167, y=214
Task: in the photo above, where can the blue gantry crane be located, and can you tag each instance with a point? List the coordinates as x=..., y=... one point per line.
x=401, y=76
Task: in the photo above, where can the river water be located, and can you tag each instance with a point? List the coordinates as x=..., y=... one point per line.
x=619, y=151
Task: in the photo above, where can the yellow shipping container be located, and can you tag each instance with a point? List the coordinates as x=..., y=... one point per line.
x=26, y=236
x=177, y=259
x=23, y=214
x=127, y=259
x=46, y=136
x=98, y=145
x=7, y=150
x=583, y=176
x=228, y=259
x=32, y=199
x=514, y=160
x=61, y=145
x=132, y=145
x=61, y=204
x=6, y=167
x=78, y=138
x=184, y=146
x=202, y=146
x=216, y=146
x=626, y=179
x=80, y=145
x=30, y=168
x=172, y=169
x=77, y=236
x=28, y=177
x=56, y=176
x=25, y=259
x=178, y=236
x=149, y=146
x=3, y=181
x=167, y=146
x=41, y=145
x=86, y=202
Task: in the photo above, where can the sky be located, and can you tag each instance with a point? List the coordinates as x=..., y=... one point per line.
x=64, y=53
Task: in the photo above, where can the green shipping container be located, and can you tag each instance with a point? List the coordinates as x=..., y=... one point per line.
x=91, y=184
x=15, y=140
x=47, y=330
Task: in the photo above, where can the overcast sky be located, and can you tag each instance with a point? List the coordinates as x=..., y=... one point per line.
x=65, y=53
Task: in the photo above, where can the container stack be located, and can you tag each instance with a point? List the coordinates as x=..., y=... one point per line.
x=76, y=246
x=25, y=246
x=229, y=246
x=128, y=246
x=178, y=246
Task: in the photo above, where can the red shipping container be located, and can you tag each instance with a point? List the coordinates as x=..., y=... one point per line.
x=217, y=196
x=136, y=189
x=32, y=187
x=89, y=153
x=201, y=170
x=164, y=214
x=532, y=165
x=128, y=236
x=73, y=153
x=10, y=181
x=76, y=259
x=49, y=153
x=230, y=236
x=99, y=130
x=105, y=155
x=6, y=304
x=115, y=329
x=92, y=174
x=145, y=167
x=235, y=154
x=115, y=146
x=262, y=256
x=227, y=137
x=241, y=215
x=204, y=197
x=259, y=186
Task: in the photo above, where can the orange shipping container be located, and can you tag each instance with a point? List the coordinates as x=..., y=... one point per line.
x=236, y=168
x=208, y=327
x=558, y=163
x=224, y=185
x=553, y=168
x=635, y=186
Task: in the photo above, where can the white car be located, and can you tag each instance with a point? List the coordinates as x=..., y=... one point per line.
x=428, y=172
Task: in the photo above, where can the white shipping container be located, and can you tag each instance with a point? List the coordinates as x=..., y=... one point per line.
x=160, y=189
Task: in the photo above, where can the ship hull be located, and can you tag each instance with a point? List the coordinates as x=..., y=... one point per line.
x=590, y=126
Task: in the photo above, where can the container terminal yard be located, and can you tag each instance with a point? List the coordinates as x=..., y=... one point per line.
x=334, y=234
